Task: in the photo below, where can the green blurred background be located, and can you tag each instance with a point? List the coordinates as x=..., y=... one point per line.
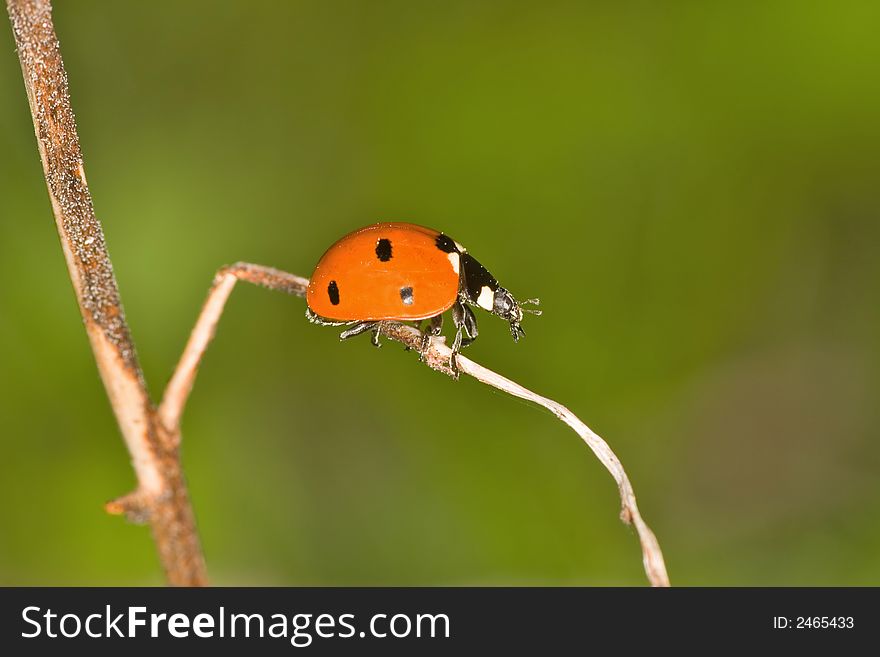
x=691, y=188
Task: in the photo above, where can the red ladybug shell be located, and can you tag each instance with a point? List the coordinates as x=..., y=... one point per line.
x=387, y=271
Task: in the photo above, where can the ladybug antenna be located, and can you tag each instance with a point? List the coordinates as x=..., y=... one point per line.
x=532, y=302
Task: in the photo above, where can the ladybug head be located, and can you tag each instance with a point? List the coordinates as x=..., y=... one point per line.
x=482, y=289
x=508, y=308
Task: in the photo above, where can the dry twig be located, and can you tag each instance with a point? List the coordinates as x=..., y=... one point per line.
x=436, y=356
x=161, y=497
x=153, y=435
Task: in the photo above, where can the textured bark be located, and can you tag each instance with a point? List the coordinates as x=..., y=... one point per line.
x=161, y=498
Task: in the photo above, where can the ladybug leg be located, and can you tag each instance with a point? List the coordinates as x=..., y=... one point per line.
x=466, y=330
x=470, y=326
x=436, y=324
x=434, y=327
x=360, y=327
x=320, y=321
x=377, y=331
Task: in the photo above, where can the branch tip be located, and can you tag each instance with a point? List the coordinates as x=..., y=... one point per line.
x=134, y=506
x=435, y=355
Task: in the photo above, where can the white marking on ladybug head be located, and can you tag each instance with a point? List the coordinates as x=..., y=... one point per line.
x=460, y=247
x=454, y=261
x=486, y=300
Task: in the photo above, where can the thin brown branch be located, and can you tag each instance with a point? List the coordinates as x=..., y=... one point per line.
x=178, y=388
x=152, y=436
x=161, y=495
x=436, y=356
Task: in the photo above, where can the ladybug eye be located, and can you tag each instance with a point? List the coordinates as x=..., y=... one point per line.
x=504, y=303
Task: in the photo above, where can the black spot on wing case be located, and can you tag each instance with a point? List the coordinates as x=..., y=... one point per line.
x=383, y=249
x=333, y=293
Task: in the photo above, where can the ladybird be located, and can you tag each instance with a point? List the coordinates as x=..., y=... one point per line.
x=396, y=271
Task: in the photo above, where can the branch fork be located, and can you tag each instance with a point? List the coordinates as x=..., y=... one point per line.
x=152, y=434
x=161, y=496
